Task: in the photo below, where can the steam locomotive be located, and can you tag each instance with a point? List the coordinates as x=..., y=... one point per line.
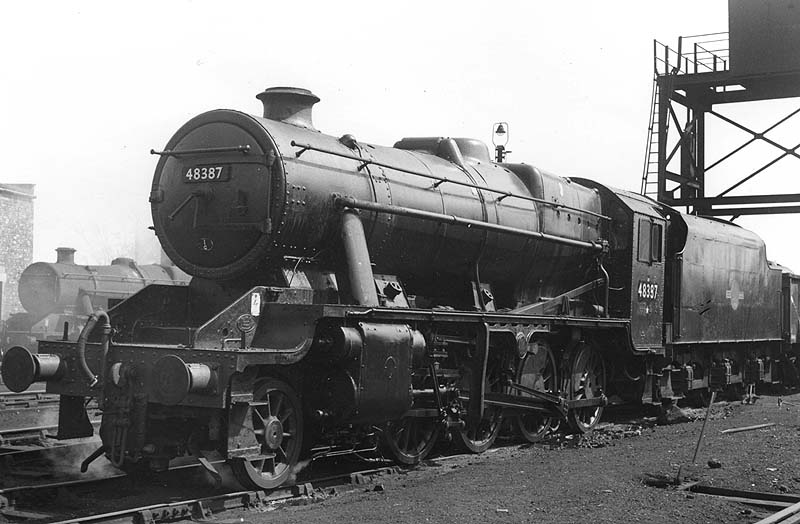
x=347, y=295
x=58, y=296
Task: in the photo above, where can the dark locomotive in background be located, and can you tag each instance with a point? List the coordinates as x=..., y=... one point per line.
x=58, y=296
x=345, y=293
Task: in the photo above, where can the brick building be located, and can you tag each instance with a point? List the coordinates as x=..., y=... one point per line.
x=16, y=242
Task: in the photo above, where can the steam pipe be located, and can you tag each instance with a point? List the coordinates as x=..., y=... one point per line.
x=86, y=302
x=359, y=267
x=607, y=280
x=350, y=202
x=84, y=337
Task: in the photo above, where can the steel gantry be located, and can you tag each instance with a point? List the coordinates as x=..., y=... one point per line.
x=690, y=85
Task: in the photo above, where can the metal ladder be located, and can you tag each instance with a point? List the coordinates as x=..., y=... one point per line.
x=650, y=169
x=704, y=55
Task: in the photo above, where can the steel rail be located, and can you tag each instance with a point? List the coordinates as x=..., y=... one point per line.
x=442, y=180
x=8, y=495
x=56, y=485
x=790, y=515
x=753, y=498
x=9, y=400
x=203, y=508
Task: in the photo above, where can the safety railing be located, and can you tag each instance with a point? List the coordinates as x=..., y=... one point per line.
x=706, y=53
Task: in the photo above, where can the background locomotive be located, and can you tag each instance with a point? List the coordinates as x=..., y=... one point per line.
x=55, y=294
x=344, y=292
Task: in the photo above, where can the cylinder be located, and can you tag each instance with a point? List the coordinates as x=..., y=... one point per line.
x=347, y=343
x=417, y=347
x=21, y=368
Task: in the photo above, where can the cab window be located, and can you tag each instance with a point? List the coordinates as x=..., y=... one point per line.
x=650, y=240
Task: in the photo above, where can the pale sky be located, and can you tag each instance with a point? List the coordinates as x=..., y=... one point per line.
x=90, y=87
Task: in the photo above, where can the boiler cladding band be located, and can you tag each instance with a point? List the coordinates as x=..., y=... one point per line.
x=442, y=180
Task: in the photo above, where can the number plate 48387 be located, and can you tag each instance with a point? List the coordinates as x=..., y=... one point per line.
x=206, y=174
x=647, y=290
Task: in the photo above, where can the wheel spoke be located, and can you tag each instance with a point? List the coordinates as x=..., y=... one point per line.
x=414, y=437
x=260, y=417
x=269, y=465
x=406, y=438
x=288, y=413
x=276, y=409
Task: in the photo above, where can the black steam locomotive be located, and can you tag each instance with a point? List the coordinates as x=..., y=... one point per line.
x=57, y=296
x=347, y=294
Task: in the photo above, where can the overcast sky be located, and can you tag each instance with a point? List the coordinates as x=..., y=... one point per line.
x=90, y=87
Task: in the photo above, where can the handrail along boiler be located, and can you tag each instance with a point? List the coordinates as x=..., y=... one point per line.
x=347, y=295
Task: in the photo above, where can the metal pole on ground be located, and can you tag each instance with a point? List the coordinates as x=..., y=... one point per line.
x=703, y=430
x=679, y=478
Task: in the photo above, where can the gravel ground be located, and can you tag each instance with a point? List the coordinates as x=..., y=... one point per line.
x=605, y=477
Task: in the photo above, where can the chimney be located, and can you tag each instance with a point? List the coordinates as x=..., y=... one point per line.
x=65, y=255
x=291, y=105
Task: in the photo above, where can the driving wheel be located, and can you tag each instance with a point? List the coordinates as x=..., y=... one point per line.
x=537, y=371
x=586, y=380
x=476, y=436
x=410, y=439
x=278, y=426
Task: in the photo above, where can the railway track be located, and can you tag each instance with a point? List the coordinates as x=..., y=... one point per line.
x=27, y=421
x=785, y=505
x=26, y=416
x=45, y=502
x=120, y=499
x=28, y=398
x=20, y=411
